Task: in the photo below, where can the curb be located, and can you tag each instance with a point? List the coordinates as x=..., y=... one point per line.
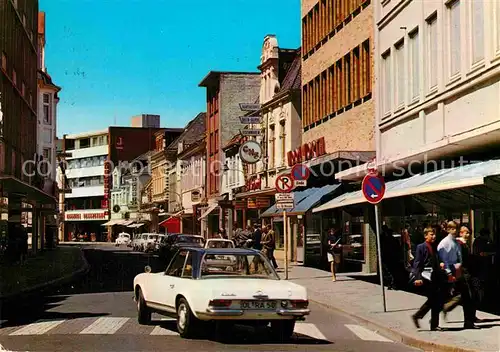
x=397, y=335
x=41, y=287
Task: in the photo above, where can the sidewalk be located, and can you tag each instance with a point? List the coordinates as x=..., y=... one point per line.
x=43, y=270
x=363, y=300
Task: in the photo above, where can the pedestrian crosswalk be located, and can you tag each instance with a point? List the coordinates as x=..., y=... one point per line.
x=161, y=327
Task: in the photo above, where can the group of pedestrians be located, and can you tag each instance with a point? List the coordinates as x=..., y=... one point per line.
x=447, y=273
x=261, y=238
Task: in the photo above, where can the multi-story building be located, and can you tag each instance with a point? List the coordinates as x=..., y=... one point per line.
x=161, y=161
x=224, y=92
x=18, y=121
x=338, y=112
x=128, y=183
x=86, y=206
x=280, y=101
x=180, y=216
x=46, y=130
x=146, y=120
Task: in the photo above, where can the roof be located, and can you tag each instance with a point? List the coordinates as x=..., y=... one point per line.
x=47, y=80
x=225, y=250
x=87, y=134
x=214, y=76
x=236, y=140
x=146, y=155
x=192, y=132
x=292, y=79
x=41, y=23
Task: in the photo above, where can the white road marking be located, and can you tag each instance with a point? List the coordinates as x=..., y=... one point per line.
x=158, y=330
x=37, y=328
x=365, y=334
x=105, y=326
x=309, y=330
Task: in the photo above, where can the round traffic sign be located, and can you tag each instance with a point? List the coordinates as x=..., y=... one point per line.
x=373, y=188
x=284, y=183
x=300, y=172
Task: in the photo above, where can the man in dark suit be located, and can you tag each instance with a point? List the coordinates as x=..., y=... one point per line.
x=256, y=238
x=428, y=272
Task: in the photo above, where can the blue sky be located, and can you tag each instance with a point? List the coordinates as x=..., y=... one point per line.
x=119, y=58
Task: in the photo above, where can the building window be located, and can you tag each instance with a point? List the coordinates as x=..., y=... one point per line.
x=4, y=62
x=432, y=52
x=272, y=146
x=399, y=73
x=454, y=38
x=477, y=17
x=386, y=82
x=283, y=144
x=47, y=136
x=46, y=108
x=47, y=154
x=414, y=65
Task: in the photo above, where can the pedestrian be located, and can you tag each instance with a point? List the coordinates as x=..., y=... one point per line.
x=467, y=287
x=428, y=273
x=450, y=253
x=257, y=238
x=269, y=244
x=333, y=245
x=222, y=234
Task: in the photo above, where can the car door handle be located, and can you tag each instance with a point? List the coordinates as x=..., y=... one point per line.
x=172, y=286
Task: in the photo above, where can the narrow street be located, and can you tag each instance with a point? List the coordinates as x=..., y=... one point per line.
x=98, y=314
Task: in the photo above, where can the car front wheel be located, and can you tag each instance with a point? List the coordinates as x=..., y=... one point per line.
x=283, y=329
x=143, y=312
x=186, y=321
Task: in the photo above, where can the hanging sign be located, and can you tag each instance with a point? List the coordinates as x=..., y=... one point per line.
x=250, y=152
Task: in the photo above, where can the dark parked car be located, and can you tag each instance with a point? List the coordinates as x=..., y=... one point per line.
x=174, y=241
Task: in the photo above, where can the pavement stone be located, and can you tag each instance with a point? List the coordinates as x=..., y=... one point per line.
x=364, y=301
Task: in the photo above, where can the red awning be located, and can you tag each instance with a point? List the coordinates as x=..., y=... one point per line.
x=172, y=224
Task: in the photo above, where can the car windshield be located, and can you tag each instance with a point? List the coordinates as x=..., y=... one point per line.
x=251, y=266
x=220, y=244
x=190, y=239
x=124, y=235
x=153, y=237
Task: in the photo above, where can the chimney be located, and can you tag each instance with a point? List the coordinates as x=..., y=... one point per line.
x=41, y=41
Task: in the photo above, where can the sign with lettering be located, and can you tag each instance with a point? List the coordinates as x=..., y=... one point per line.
x=250, y=120
x=254, y=184
x=133, y=198
x=86, y=216
x=307, y=151
x=250, y=132
x=250, y=152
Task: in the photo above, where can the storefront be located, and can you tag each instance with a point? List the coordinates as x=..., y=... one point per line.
x=86, y=225
x=304, y=227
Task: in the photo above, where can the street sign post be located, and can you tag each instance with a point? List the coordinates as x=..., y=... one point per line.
x=300, y=173
x=250, y=132
x=284, y=201
x=250, y=120
x=249, y=106
x=373, y=188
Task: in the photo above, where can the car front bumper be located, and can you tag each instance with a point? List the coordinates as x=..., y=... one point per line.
x=239, y=314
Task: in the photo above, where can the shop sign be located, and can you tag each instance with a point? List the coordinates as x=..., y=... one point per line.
x=250, y=152
x=81, y=216
x=252, y=203
x=307, y=151
x=240, y=204
x=263, y=202
x=254, y=184
x=133, y=201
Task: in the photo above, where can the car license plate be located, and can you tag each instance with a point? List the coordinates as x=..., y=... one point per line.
x=258, y=305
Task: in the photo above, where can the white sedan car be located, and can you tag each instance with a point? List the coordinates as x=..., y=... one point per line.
x=123, y=239
x=219, y=243
x=209, y=285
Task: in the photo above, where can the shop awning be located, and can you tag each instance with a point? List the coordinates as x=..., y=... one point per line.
x=32, y=193
x=134, y=226
x=457, y=178
x=112, y=222
x=304, y=201
x=208, y=211
x=126, y=222
x=172, y=224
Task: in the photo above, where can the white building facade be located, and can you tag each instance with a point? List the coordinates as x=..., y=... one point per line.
x=438, y=64
x=86, y=168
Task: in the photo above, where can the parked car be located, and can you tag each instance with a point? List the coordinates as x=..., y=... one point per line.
x=139, y=242
x=219, y=243
x=238, y=286
x=173, y=242
x=123, y=239
x=150, y=242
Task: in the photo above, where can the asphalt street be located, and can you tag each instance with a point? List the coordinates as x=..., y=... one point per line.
x=98, y=314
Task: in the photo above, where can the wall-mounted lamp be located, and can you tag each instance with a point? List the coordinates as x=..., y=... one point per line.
x=299, y=217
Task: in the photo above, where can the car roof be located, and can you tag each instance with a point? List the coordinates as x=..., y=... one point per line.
x=219, y=239
x=240, y=251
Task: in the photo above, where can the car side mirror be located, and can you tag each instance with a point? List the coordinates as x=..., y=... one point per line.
x=147, y=269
